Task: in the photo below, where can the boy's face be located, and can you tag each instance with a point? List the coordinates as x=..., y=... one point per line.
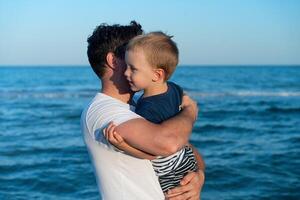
x=139, y=73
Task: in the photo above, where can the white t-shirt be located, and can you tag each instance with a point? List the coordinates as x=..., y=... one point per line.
x=119, y=176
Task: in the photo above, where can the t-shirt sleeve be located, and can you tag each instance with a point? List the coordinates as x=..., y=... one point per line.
x=100, y=118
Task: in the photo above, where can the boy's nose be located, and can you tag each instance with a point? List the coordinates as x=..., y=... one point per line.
x=126, y=73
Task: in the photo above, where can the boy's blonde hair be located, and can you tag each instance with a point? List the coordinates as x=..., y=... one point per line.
x=160, y=51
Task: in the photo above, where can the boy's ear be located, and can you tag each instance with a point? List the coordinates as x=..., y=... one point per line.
x=111, y=60
x=159, y=74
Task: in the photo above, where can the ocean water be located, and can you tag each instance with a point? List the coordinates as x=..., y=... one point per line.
x=248, y=131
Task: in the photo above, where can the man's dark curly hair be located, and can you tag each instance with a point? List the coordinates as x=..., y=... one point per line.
x=109, y=38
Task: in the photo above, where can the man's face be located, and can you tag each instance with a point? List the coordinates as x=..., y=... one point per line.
x=119, y=74
x=121, y=65
x=139, y=73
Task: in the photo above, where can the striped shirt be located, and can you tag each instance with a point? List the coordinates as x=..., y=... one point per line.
x=170, y=170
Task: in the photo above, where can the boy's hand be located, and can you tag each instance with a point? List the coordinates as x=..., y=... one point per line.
x=112, y=136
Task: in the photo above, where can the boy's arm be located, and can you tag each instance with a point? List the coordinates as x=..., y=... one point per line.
x=136, y=152
x=161, y=139
x=115, y=139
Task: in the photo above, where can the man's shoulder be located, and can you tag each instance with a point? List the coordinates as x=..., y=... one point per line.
x=103, y=104
x=104, y=109
x=102, y=101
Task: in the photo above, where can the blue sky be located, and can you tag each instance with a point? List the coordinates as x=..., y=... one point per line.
x=213, y=32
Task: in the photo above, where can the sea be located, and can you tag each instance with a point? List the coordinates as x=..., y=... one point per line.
x=248, y=131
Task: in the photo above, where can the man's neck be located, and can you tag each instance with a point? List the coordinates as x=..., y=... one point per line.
x=115, y=93
x=156, y=89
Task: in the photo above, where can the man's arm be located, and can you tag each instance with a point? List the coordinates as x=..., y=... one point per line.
x=161, y=139
x=200, y=161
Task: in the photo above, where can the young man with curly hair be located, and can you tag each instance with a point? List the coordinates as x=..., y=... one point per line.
x=120, y=176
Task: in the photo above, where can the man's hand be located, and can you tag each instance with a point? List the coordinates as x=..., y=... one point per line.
x=189, y=189
x=188, y=103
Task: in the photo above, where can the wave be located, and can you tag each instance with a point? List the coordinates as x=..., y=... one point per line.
x=245, y=94
x=45, y=95
x=15, y=94
x=212, y=127
x=221, y=113
x=275, y=109
x=25, y=151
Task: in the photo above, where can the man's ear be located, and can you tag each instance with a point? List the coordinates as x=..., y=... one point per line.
x=111, y=60
x=159, y=74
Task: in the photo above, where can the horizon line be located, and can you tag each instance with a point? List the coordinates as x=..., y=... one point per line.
x=181, y=65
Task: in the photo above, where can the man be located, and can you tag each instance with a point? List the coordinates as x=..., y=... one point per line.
x=120, y=176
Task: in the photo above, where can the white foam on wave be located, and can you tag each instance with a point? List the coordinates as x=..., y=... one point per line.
x=246, y=94
x=64, y=94
x=44, y=95
x=280, y=94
